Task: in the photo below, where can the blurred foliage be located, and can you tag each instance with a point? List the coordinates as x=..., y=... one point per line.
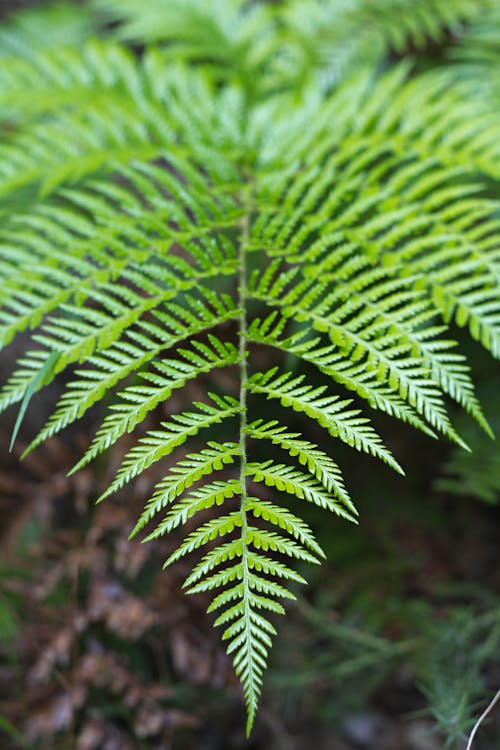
x=451, y=664
x=45, y=27
x=476, y=474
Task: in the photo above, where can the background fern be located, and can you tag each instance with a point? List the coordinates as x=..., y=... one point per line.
x=170, y=214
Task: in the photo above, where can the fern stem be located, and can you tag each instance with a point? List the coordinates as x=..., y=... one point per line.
x=243, y=353
x=243, y=356
x=249, y=684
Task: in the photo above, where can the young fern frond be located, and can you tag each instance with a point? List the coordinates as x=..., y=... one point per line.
x=164, y=222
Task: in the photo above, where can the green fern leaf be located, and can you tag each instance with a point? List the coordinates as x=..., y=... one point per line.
x=329, y=411
x=161, y=443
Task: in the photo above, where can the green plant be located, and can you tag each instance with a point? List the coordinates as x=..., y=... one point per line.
x=450, y=671
x=223, y=196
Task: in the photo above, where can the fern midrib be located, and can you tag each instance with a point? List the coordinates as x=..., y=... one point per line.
x=243, y=344
x=250, y=687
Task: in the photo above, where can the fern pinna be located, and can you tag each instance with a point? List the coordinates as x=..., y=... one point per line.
x=170, y=217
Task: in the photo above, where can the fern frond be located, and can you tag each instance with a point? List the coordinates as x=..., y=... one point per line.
x=201, y=499
x=477, y=58
x=79, y=331
x=26, y=305
x=235, y=38
x=191, y=23
x=355, y=376
x=217, y=527
x=337, y=36
x=308, y=454
x=137, y=401
x=181, y=476
x=88, y=120
x=65, y=78
x=161, y=443
x=329, y=411
x=294, y=41
x=235, y=572
x=290, y=480
x=283, y=519
x=249, y=633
